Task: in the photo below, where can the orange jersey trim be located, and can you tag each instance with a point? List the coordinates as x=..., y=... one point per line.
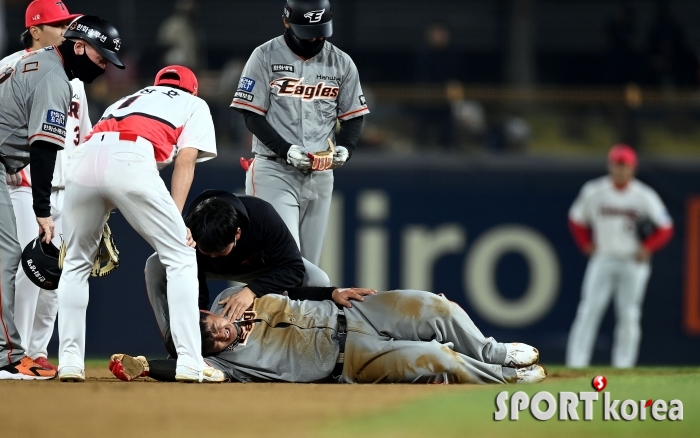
x=62, y=140
x=342, y=116
x=235, y=102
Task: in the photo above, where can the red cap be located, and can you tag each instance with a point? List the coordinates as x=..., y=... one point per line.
x=623, y=154
x=179, y=76
x=47, y=12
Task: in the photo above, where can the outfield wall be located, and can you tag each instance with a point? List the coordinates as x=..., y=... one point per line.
x=490, y=233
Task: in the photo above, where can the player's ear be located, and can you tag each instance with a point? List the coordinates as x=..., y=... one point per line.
x=79, y=47
x=285, y=21
x=34, y=31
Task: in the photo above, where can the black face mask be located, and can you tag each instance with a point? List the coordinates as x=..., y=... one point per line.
x=304, y=48
x=78, y=66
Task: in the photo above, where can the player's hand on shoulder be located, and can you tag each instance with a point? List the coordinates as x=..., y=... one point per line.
x=46, y=228
x=235, y=305
x=340, y=157
x=343, y=296
x=298, y=157
x=14, y=180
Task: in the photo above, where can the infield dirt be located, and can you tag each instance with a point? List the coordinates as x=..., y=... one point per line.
x=105, y=407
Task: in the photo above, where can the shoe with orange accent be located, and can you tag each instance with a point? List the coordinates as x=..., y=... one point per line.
x=44, y=362
x=26, y=369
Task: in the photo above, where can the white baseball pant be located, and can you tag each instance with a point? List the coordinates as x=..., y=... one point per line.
x=35, y=308
x=607, y=276
x=302, y=200
x=107, y=173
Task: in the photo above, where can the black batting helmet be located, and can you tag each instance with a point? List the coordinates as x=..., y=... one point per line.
x=100, y=34
x=40, y=263
x=309, y=18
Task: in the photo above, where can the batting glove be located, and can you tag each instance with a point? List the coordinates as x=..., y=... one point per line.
x=340, y=157
x=298, y=157
x=128, y=368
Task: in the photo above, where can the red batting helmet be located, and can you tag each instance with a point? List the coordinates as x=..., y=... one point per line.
x=178, y=76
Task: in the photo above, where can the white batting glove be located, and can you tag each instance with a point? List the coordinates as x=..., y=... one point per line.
x=13, y=180
x=298, y=157
x=340, y=157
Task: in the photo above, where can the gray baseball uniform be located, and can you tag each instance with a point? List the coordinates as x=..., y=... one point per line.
x=301, y=100
x=397, y=336
x=35, y=95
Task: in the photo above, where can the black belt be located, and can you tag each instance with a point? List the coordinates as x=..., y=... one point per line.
x=342, y=337
x=276, y=159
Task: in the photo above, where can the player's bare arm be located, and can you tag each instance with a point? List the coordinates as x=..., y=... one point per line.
x=183, y=174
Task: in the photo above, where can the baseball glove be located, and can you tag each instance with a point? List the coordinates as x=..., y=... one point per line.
x=128, y=368
x=645, y=228
x=322, y=160
x=106, y=259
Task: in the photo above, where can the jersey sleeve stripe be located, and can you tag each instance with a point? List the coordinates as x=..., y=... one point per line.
x=355, y=113
x=60, y=141
x=248, y=106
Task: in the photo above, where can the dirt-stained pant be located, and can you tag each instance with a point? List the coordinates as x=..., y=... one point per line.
x=10, y=253
x=415, y=336
x=302, y=200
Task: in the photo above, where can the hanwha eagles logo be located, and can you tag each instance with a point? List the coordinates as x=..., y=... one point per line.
x=314, y=16
x=294, y=87
x=117, y=44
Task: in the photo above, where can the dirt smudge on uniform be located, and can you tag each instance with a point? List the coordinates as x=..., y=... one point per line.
x=439, y=306
x=431, y=363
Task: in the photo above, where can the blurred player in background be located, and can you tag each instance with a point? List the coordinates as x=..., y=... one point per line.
x=35, y=310
x=117, y=167
x=619, y=222
x=293, y=91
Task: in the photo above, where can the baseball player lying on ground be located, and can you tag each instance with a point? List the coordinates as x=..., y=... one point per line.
x=241, y=238
x=404, y=336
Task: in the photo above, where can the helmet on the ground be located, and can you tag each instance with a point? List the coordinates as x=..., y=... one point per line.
x=40, y=263
x=100, y=34
x=309, y=18
x=178, y=76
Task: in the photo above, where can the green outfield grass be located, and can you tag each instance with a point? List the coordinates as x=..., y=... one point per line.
x=470, y=411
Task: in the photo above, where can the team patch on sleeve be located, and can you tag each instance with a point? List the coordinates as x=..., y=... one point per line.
x=56, y=118
x=243, y=95
x=282, y=67
x=246, y=84
x=55, y=130
x=362, y=100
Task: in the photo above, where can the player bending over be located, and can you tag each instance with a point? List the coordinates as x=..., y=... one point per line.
x=390, y=337
x=117, y=167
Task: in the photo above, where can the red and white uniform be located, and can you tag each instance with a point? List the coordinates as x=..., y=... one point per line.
x=605, y=216
x=159, y=114
x=35, y=310
x=117, y=167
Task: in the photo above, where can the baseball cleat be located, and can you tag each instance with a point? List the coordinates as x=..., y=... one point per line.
x=71, y=374
x=206, y=375
x=44, y=363
x=520, y=355
x=532, y=374
x=128, y=368
x=26, y=369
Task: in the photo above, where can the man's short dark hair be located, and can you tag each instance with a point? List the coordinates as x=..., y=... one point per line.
x=207, y=334
x=214, y=224
x=26, y=37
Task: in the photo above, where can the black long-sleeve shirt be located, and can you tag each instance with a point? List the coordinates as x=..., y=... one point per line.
x=265, y=243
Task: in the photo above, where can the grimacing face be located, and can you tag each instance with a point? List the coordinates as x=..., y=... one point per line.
x=223, y=331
